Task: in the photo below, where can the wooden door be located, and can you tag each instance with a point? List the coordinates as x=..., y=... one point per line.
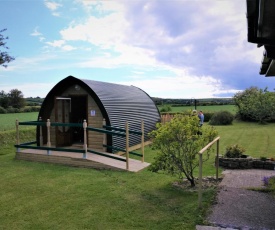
x=62, y=115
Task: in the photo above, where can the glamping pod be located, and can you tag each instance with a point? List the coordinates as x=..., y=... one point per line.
x=74, y=100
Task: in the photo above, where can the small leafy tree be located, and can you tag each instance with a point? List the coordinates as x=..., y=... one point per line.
x=4, y=56
x=178, y=143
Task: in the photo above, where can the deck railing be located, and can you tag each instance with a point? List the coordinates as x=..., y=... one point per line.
x=111, y=131
x=200, y=165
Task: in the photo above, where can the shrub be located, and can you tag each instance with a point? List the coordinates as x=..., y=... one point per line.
x=13, y=110
x=207, y=116
x=221, y=118
x=26, y=109
x=234, y=151
x=166, y=108
x=2, y=110
x=35, y=108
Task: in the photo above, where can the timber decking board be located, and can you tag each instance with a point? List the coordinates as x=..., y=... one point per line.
x=76, y=159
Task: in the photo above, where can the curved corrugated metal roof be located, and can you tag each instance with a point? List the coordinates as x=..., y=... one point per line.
x=126, y=103
x=118, y=104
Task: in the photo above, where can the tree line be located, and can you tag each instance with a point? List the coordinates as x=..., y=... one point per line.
x=14, y=102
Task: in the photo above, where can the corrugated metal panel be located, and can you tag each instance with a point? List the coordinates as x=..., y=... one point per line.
x=126, y=103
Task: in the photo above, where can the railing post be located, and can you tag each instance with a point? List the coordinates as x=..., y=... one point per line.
x=200, y=180
x=17, y=134
x=40, y=133
x=104, y=137
x=217, y=160
x=200, y=166
x=85, y=139
x=127, y=145
x=48, y=136
x=142, y=140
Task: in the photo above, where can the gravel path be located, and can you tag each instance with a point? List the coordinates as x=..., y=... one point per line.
x=240, y=208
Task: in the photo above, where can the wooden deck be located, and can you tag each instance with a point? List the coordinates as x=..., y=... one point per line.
x=77, y=160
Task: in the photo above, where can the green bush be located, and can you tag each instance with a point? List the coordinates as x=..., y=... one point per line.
x=234, y=151
x=13, y=110
x=222, y=118
x=2, y=110
x=35, y=108
x=208, y=116
x=166, y=108
x=26, y=110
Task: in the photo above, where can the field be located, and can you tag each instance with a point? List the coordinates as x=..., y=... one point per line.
x=7, y=121
x=46, y=196
x=212, y=108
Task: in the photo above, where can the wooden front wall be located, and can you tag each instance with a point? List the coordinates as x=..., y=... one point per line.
x=95, y=140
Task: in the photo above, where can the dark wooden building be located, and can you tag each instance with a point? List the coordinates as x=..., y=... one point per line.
x=73, y=100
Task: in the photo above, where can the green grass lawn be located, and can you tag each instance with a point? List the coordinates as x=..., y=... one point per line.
x=7, y=121
x=47, y=196
x=258, y=140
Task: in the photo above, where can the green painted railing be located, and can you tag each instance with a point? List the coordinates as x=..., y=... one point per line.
x=110, y=130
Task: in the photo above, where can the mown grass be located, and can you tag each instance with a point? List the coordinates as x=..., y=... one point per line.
x=7, y=121
x=46, y=196
x=258, y=140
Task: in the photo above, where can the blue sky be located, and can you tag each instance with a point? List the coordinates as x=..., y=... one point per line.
x=169, y=48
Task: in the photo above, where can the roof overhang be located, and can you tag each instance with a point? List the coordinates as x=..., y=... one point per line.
x=261, y=30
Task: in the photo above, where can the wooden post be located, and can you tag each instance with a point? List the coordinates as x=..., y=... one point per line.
x=85, y=139
x=200, y=180
x=104, y=137
x=40, y=133
x=200, y=167
x=217, y=160
x=48, y=136
x=142, y=140
x=17, y=134
x=127, y=145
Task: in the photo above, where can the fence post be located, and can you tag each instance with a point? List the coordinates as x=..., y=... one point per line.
x=40, y=133
x=17, y=134
x=104, y=137
x=85, y=139
x=142, y=140
x=217, y=160
x=48, y=136
x=200, y=180
x=127, y=145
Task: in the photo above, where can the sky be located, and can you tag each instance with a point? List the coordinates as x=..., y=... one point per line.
x=168, y=48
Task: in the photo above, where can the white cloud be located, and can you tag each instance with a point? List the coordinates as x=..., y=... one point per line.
x=183, y=86
x=68, y=48
x=56, y=43
x=36, y=32
x=52, y=5
x=105, y=32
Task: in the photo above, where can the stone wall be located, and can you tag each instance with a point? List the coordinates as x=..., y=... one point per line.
x=246, y=163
